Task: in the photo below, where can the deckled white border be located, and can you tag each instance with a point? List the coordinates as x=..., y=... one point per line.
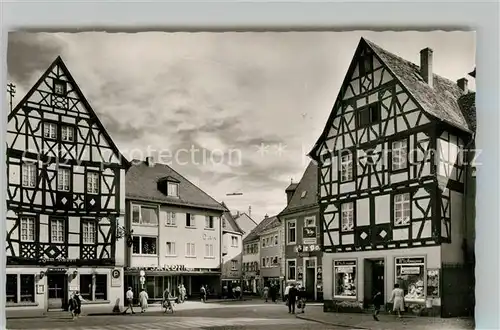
x=259, y=15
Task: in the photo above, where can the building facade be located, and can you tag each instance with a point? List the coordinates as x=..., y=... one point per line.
x=232, y=253
x=245, y=222
x=271, y=252
x=66, y=200
x=395, y=193
x=301, y=225
x=176, y=235
x=251, y=265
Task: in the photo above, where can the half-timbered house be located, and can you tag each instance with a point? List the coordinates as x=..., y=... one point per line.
x=394, y=190
x=66, y=198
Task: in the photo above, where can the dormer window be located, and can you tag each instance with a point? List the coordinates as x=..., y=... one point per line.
x=304, y=193
x=173, y=189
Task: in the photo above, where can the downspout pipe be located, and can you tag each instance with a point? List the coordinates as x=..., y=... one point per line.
x=467, y=172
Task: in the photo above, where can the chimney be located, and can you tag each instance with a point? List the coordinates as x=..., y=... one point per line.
x=462, y=84
x=266, y=216
x=289, y=191
x=150, y=161
x=426, y=65
x=237, y=214
x=250, y=211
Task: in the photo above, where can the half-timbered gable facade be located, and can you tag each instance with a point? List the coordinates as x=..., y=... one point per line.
x=391, y=178
x=301, y=222
x=176, y=235
x=65, y=198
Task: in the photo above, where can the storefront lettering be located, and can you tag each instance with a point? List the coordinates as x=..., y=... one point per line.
x=418, y=260
x=207, y=237
x=345, y=263
x=159, y=269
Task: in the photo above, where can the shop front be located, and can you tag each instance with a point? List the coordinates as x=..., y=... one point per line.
x=158, y=280
x=357, y=277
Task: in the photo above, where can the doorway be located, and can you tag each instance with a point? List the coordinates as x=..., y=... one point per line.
x=374, y=278
x=310, y=278
x=57, y=287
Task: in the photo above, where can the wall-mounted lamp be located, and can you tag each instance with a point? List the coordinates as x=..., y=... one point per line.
x=42, y=274
x=75, y=273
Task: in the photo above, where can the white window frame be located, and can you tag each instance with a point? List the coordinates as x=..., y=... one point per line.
x=93, y=181
x=288, y=227
x=89, y=232
x=51, y=129
x=312, y=223
x=170, y=246
x=347, y=216
x=140, y=246
x=171, y=219
x=209, y=251
x=57, y=230
x=402, y=209
x=140, y=223
x=29, y=175
x=61, y=84
x=234, y=241
x=399, y=155
x=19, y=285
x=67, y=133
x=63, y=174
x=209, y=225
x=27, y=223
x=172, y=189
x=190, y=250
x=346, y=167
x=288, y=269
x=234, y=264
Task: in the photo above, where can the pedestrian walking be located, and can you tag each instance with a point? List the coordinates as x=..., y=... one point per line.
x=183, y=293
x=203, y=293
x=237, y=292
x=378, y=300
x=301, y=299
x=129, y=296
x=143, y=300
x=266, y=292
x=167, y=303
x=75, y=305
x=292, y=298
x=287, y=290
x=273, y=291
x=398, y=300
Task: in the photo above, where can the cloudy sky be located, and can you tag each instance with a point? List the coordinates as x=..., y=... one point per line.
x=262, y=99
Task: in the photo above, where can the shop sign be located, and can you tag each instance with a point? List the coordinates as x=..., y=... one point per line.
x=57, y=270
x=115, y=278
x=410, y=270
x=299, y=276
x=307, y=248
x=309, y=236
x=345, y=263
x=319, y=276
x=167, y=268
x=414, y=260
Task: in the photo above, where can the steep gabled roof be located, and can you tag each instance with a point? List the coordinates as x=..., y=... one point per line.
x=265, y=224
x=58, y=63
x=142, y=184
x=306, y=192
x=440, y=101
x=230, y=219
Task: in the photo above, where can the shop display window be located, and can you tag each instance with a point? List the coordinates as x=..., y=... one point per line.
x=345, y=279
x=433, y=282
x=410, y=275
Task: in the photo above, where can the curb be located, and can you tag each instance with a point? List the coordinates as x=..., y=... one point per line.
x=329, y=323
x=25, y=317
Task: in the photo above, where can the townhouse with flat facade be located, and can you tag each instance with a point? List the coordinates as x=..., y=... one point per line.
x=301, y=225
x=271, y=252
x=232, y=251
x=176, y=234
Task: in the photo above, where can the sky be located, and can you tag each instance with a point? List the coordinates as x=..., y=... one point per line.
x=234, y=112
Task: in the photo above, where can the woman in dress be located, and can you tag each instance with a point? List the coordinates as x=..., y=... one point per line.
x=266, y=292
x=143, y=300
x=398, y=300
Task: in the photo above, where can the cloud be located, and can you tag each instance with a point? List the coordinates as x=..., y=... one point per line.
x=168, y=93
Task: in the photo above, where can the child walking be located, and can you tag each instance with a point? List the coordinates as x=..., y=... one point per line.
x=378, y=301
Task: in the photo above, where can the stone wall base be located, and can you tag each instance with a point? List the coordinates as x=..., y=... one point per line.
x=344, y=306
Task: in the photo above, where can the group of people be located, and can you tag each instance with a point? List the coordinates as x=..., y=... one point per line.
x=295, y=295
x=270, y=290
x=228, y=292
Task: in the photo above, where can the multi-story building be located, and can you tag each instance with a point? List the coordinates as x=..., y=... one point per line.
x=300, y=219
x=66, y=199
x=245, y=222
x=395, y=194
x=271, y=252
x=176, y=232
x=232, y=251
x=251, y=258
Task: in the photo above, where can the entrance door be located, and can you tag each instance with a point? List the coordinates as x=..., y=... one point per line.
x=310, y=281
x=373, y=279
x=57, y=285
x=378, y=277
